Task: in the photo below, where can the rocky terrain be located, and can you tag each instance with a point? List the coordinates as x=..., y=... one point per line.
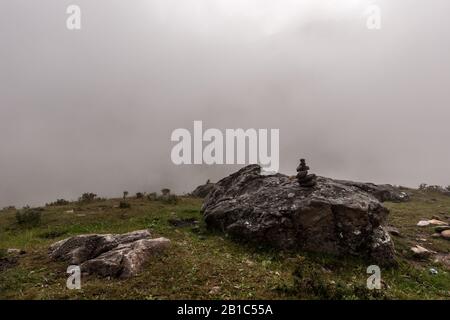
x=123, y=254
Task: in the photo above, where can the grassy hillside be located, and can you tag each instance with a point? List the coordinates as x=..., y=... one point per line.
x=199, y=260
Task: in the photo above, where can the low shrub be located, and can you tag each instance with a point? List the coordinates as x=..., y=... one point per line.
x=59, y=202
x=168, y=199
x=87, y=197
x=152, y=196
x=139, y=195
x=29, y=217
x=124, y=205
x=165, y=192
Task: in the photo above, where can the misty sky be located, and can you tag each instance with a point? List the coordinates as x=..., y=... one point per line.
x=93, y=110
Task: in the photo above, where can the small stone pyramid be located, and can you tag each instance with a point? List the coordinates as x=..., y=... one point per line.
x=304, y=179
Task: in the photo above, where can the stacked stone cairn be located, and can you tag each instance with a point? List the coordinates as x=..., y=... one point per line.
x=304, y=179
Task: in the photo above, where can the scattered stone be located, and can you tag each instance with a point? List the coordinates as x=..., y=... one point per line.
x=437, y=222
x=393, y=230
x=445, y=234
x=183, y=222
x=114, y=255
x=433, y=271
x=436, y=235
x=214, y=290
x=14, y=251
x=69, y=211
x=443, y=258
x=331, y=217
x=421, y=252
x=423, y=223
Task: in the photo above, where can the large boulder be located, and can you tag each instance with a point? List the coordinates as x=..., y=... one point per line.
x=330, y=217
x=116, y=255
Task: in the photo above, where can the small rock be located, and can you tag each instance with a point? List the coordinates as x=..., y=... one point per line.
x=423, y=223
x=436, y=235
x=437, y=222
x=15, y=251
x=214, y=290
x=421, y=252
x=69, y=211
x=443, y=258
x=445, y=234
x=183, y=222
x=433, y=271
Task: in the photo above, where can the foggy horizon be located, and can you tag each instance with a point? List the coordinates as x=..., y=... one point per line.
x=92, y=110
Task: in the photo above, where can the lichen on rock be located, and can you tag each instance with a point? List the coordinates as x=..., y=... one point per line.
x=331, y=216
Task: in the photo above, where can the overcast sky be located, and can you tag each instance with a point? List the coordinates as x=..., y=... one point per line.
x=93, y=110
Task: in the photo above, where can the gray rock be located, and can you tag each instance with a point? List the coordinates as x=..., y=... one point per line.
x=78, y=249
x=330, y=217
x=126, y=260
x=117, y=255
x=203, y=190
x=383, y=192
x=421, y=253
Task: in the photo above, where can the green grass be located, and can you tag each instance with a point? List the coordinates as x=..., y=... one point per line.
x=199, y=260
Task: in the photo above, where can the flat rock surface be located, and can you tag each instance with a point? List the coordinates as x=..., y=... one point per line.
x=116, y=255
x=332, y=217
